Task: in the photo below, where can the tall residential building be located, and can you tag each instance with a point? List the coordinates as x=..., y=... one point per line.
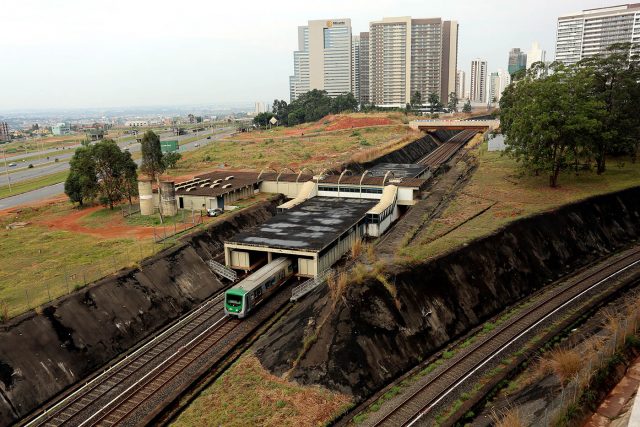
x=478, y=90
x=4, y=131
x=592, y=31
x=498, y=83
x=461, y=80
x=517, y=60
x=536, y=54
x=323, y=58
x=411, y=55
x=363, y=69
x=355, y=65
x=260, y=108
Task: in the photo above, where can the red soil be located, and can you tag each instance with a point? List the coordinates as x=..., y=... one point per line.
x=346, y=122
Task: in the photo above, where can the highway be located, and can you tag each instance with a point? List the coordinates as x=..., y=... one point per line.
x=54, y=190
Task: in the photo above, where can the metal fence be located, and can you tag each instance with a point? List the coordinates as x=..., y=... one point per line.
x=165, y=232
x=593, y=361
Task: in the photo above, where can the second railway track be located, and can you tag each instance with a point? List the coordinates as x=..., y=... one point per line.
x=416, y=406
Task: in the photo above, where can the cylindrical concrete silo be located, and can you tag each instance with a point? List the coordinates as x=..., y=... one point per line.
x=168, y=198
x=146, y=196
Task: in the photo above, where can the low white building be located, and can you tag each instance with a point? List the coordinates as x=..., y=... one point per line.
x=136, y=123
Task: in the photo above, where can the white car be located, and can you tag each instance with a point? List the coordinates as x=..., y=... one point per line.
x=12, y=165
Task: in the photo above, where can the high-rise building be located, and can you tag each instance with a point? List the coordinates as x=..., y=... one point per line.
x=363, y=69
x=4, y=131
x=411, y=55
x=355, y=65
x=536, y=54
x=592, y=31
x=478, y=90
x=323, y=59
x=260, y=108
x=517, y=60
x=461, y=80
x=498, y=83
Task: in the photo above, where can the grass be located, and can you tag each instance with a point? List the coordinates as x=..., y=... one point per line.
x=246, y=394
x=499, y=180
x=264, y=149
x=42, y=264
x=33, y=184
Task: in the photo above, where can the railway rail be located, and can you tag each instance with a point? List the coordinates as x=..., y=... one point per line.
x=72, y=410
x=417, y=405
x=447, y=149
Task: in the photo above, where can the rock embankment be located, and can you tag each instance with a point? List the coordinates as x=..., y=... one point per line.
x=42, y=354
x=373, y=332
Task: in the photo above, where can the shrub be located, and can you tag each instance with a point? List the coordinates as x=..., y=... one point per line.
x=564, y=363
x=509, y=418
x=356, y=248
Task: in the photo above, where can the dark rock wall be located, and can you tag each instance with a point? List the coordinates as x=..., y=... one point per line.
x=370, y=337
x=41, y=355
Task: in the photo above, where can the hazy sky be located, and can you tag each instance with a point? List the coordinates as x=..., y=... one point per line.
x=116, y=53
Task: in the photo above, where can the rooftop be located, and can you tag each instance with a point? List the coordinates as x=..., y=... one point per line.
x=399, y=170
x=311, y=226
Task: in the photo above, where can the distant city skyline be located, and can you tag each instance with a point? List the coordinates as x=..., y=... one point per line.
x=72, y=54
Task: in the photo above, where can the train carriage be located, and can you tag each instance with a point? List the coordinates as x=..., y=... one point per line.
x=246, y=295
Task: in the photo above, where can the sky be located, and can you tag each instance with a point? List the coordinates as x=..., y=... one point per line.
x=57, y=54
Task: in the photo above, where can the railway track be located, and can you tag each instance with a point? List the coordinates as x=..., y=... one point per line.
x=416, y=406
x=75, y=408
x=447, y=149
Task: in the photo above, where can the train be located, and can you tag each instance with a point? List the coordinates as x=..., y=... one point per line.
x=242, y=298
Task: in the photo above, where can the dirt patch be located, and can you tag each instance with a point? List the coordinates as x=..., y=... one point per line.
x=116, y=228
x=348, y=122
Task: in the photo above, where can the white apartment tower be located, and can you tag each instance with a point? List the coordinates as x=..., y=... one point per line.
x=478, y=90
x=498, y=83
x=592, y=31
x=411, y=55
x=536, y=54
x=324, y=58
x=461, y=81
x=355, y=67
x=363, y=69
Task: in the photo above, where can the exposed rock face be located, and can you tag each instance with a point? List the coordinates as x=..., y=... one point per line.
x=370, y=337
x=41, y=355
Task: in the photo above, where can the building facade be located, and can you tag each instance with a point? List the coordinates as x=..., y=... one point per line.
x=363, y=69
x=517, y=60
x=461, y=81
x=411, y=55
x=590, y=32
x=478, y=89
x=260, y=107
x=61, y=129
x=323, y=60
x=536, y=54
x=355, y=65
x=498, y=83
x=4, y=132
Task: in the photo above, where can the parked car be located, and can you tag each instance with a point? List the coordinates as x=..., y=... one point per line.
x=214, y=212
x=197, y=144
x=12, y=165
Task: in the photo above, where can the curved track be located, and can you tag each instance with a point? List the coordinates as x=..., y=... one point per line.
x=447, y=149
x=413, y=408
x=77, y=406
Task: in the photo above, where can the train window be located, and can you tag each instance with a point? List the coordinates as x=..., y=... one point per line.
x=234, y=300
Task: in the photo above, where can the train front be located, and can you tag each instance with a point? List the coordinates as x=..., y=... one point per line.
x=234, y=302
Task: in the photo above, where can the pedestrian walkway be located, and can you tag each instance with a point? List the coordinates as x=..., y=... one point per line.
x=616, y=409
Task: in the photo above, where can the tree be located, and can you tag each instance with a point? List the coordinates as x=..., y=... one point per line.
x=171, y=159
x=152, y=164
x=130, y=176
x=547, y=120
x=453, y=102
x=416, y=100
x=344, y=102
x=615, y=78
x=467, y=107
x=434, y=102
x=262, y=119
x=82, y=183
x=112, y=170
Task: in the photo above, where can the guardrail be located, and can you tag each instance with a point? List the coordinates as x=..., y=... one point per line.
x=305, y=287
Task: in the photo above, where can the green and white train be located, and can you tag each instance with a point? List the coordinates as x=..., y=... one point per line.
x=246, y=295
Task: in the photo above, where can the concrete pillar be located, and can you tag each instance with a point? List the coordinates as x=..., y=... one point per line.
x=146, y=196
x=168, y=202
x=269, y=257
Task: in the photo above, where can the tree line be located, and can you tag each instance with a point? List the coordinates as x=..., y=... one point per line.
x=108, y=174
x=564, y=117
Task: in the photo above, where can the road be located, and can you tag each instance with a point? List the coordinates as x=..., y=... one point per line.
x=46, y=164
x=54, y=190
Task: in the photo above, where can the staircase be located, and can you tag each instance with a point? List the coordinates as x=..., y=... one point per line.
x=307, y=286
x=222, y=271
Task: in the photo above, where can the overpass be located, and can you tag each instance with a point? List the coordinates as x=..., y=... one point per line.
x=481, y=125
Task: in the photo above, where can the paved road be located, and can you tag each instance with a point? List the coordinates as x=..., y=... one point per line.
x=54, y=190
x=45, y=166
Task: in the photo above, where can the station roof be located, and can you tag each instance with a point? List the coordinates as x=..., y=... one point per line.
x=399, y=170
x=213, y=184
x=346, y=179
x=310, y=226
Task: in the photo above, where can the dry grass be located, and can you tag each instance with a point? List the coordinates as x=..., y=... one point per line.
x=337, y=283
x=247, y=394
x=4, y=311
x=356, y=249
x=564, y=363
x=512, y=417
x=375, y=152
